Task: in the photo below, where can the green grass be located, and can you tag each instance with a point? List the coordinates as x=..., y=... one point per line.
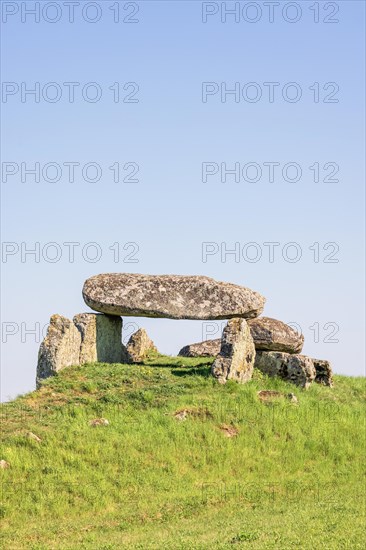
x=292, y=477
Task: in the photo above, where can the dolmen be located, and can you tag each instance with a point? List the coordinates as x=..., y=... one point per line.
x=248, y=340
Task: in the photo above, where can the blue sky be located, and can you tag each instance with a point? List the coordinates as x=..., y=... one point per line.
x=168, y=133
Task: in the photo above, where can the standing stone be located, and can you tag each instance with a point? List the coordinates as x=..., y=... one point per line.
x=139, y=345
x=170, y=296
x=101, y=338
x=324, y=373
x=273, y=335
x=295, y=368
x=60, y=348
x=208, y=348
x=237, y=353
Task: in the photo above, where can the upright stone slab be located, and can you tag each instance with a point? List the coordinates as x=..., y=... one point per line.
x=139, y=345
x=237, y=353
x=295, y=368
x=208, y=348
x=170, y=296
x=324, y=373
x=273, y=335
x=101, y=338
x=60, y=348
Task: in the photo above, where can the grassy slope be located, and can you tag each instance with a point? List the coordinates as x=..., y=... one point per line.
x=291, y=478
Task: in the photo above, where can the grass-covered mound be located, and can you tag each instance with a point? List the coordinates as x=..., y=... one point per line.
x=183, y=463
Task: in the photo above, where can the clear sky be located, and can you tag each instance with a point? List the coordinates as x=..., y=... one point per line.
x=145, y=89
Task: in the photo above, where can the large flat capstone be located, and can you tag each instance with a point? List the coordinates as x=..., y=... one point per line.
x=170, y=296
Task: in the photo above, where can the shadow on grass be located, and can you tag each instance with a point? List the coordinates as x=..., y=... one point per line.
x=198, y=366
x=204, y=371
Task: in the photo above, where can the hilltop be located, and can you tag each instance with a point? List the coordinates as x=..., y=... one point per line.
x=183, y=463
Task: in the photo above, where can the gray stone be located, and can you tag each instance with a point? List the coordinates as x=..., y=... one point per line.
x=208, y=348
x=324, y=373
x=139, y=345
x=268, y=334
x=170, y=296
x=237, y=353
x=273, y=335
x=295, y=368
x=101, y=338
x=60, y=348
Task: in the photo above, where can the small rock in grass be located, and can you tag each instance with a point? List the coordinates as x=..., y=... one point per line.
x=229, y=431
x=4, y=464
x=201, y=413
x=267, y=395
x=292, y=397
x=99, y=422
x=181, y=415
x=31, y=435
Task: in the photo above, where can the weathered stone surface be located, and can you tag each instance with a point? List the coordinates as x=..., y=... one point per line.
x=273, y=335
x=101, y=338
x=324, y=373
x=229, y=430
x=60, y=348
x=295, y=368
x=237, y=353
x=34, y=437
x=170, y=296
x=139, y=345
x=292, y=397
x=208, y=348
x=268, y=396
x=99, y=422
x=268, y=334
